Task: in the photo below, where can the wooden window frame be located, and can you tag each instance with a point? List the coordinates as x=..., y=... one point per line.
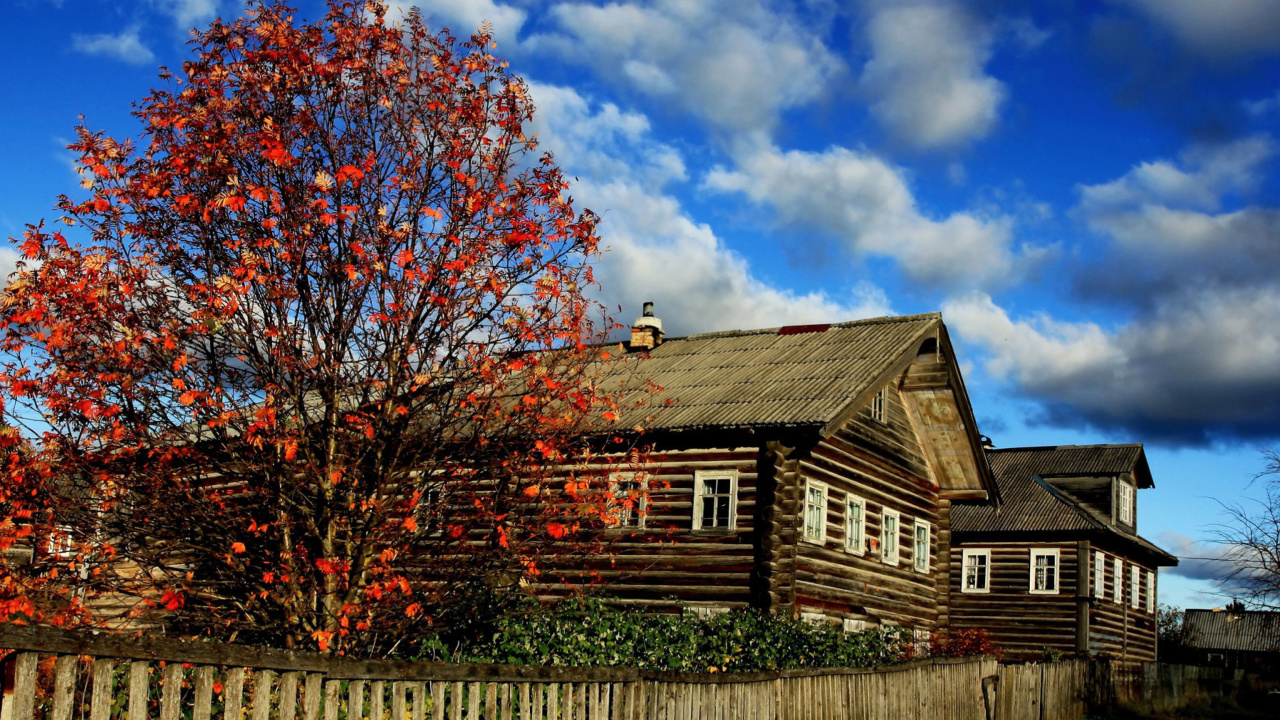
x=878, y=403
x=860, y=546
x=1151, y=591
x=894, y=558
x=985, y=554
x=1126, y=508
x=916, y=555
x=698, y=478
x=1099, y=574
x=1117, y=574
x=641, y=508
x=1054, y=553
x=820, y=538
x=1135, y=586
x=853, y=625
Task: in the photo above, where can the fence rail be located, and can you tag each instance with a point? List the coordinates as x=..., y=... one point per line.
x=53, y=674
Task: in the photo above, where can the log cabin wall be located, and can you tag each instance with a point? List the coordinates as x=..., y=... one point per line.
x=667, y=563
x=1116, y=628
x=881, y=462
x=1021, y=623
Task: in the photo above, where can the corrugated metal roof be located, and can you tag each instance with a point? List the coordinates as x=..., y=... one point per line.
x=780, y=377
x=1031, y=504
x=1249, y=631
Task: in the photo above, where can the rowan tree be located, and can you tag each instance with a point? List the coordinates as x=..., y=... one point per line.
x=1251, y=540
x=312, y=355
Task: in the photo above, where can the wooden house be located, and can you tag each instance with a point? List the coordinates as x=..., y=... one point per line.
x=806, y=470
x=1233, y=638
x=1060, y=567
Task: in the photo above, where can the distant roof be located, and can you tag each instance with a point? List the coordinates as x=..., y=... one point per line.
x=1032, y=505
x=1250, y=631
x=799, y=376
x=1073, y=461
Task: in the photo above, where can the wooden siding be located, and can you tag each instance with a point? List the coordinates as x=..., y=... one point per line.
x=882, y=463
x=667, y=562
x=1024, y=624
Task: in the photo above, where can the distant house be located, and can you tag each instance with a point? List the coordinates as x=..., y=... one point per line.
x=1232, y=638
x=1060, y=566
x=806, y=470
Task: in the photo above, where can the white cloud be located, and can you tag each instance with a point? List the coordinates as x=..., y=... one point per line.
x=1200, y=366
x=1220, y=28
x=736, y=63
x=926, y=77
x=658, y=253
x=1170, y=215
x=867, y=204
x=1265, y=106
x=187, y=14
x=8, y=264
x=464, y=17
x=125, y=46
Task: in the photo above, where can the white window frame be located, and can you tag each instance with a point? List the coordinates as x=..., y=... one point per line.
x=1099, y=574
x=853, y=625
x=968, y=553
x=855, y=532
x=878, y=402
x=1057, y=574
x=920, y=560
x=616, y=496
x=890, y=552
x=1151, y=591
x=705, y=612
x=1117, y=576
x=818, y=534
x=1124, y=499
x=698, y=479
x=1135, y=586
x=816, y=618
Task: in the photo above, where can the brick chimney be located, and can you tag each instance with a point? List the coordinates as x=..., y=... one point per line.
x=646, y=331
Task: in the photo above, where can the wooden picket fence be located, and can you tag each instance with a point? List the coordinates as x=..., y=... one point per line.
x=60, y=675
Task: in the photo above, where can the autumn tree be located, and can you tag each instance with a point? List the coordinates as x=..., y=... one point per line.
x=1251, y=541
x=310, y=356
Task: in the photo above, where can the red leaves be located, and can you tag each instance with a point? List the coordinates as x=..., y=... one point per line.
x=556, y=530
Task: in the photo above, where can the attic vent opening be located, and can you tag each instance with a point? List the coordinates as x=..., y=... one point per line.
x=802, y=329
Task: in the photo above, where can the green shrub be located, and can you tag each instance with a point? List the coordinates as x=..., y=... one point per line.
x=587, y=632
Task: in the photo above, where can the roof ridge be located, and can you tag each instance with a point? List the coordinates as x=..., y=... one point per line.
x=884, y=320
x=1065, y=447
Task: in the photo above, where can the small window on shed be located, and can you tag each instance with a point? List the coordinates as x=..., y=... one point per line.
x=877, y=405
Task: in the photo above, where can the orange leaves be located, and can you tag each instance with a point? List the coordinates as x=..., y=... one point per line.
x=237, y=547
x=349, y=172
x=610, y=415
x=432, y=213
x=189, y=397
x=410, y=524
x=556, y=530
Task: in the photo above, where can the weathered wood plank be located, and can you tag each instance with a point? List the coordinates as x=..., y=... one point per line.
x=24, y=686
x=262, y=680
x=103, y=692
x=397, y=700
x=311, y=696
x=332, y=694
x=64, y=686
x=202, y=708
x=233, y=694
x=138, y=690
x=170, y=691
x=288, y=707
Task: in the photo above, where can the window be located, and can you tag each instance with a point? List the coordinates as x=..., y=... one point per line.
x=855, y=525
x=715, y=499
x=853, y=625
x=877, y=405
x=704, y=612
x=1099, y=574
x=920, y=547
x=816, y=618
x=629, y=500
x=1044, y=571
x=920, y=642
x=1117, y=577
x=977, y=568
x=1135, y=582
x=1151, y=591
x=1124, y=499
x=889, y=539
x=815, y=512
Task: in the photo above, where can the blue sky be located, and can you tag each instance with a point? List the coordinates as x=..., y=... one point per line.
x=1088, y=191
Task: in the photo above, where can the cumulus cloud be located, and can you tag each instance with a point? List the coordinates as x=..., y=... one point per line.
x=187, y=13
x=464, y=17
x=1197, y=560
x=125, y=46
x=865, y=202
x=1172, y=222
x=1200, y=367
x=8, y=264
x=1221, y=29
x=926, y=76
x=656, y=252
x=736, y=63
